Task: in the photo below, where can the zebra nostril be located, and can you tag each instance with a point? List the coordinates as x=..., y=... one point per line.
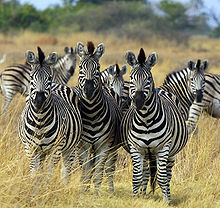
x=139, y=100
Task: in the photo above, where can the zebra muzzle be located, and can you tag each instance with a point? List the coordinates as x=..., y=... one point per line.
x=139, y=100
x=89, y=89
x=39, y=100
x=199, y=96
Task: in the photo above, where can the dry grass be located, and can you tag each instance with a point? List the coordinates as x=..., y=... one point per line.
x=196, y=175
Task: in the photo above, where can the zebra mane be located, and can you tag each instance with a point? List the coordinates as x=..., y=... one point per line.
x=90, y=47
x=40, y=55
x=174, y=74
x=117, y=69
x=198, y=64
x=141, y=57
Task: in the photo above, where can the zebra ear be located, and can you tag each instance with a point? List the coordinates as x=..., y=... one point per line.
x=123, y=70
x=111, y=70
x=80, y=49
x=205, y=65
x=66, y=49
x=131, y=58
x=152, y=59
x=30, y=57
x=191, y=65
x=100, y=50
x=52, y=58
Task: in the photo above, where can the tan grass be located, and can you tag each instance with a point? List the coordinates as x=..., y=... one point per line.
x=196, y=176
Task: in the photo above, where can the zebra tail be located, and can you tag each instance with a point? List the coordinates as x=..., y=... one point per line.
x=153, y=171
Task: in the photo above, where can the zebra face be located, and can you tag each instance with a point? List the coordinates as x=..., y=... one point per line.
x=141, y=80
x=116, y=80
x=40, y=78
x=197, y=78
x=89, y=81
x=70, y=60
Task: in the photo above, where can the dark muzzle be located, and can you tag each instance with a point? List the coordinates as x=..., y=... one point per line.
x=89, y=89
x=139, y=100
x=39, y=100
x=199, y=96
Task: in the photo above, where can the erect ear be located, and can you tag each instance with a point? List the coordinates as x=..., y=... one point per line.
x=66, y=50
x=71, y=50
x=205, y=65
x=52, y=58
x=191, y=65
x=123, y=70
x=80, y=49
x=111, y=70
x=100, y=50
x=131, y=58
x=30, y=57
x=152, y=59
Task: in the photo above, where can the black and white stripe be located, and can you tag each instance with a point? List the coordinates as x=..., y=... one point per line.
x=15, y=79
x=50, y=123
x=210, y=102
x=112, y=77
x=187, y=85
x=153, y=128
x=101, y=119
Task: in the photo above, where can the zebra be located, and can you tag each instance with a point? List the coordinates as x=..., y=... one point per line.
x=153, y=128
x=50, y=123
x=112, y=77
x=187, y=85
x=210, y=102
x=100, y=118
x=15, y=79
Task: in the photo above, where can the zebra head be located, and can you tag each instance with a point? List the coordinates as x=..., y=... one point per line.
x=89, y=81
x=69, y=59
x=197, y=78
x=141, y=80
x=115, y=79
x=40, y=77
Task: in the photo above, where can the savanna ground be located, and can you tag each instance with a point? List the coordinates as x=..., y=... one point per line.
x=196, y=175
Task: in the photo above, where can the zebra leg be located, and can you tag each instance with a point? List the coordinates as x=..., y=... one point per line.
x=87, y=164
x=35, y=166
x=101, y=155
x=171, y=162
x=110, y=169
x=194, y=114
x=162, y=178
x=145, y=176
x=137, y=160
x=67, y=163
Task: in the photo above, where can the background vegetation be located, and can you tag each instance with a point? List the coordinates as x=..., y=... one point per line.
x=138, y=19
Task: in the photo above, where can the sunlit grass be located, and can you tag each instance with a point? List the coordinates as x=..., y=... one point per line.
x=196, y=177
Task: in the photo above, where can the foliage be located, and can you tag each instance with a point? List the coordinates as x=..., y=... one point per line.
x=136, y=19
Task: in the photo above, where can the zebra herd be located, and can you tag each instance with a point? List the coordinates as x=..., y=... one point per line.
x=104, y=113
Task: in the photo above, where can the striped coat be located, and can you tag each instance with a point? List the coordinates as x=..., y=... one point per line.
x=50, y=123
x=153, y=128
x=100, y=117
x=15, y=79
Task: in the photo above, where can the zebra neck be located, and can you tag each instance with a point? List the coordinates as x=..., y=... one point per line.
x=60, y=73
x=178, y=84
